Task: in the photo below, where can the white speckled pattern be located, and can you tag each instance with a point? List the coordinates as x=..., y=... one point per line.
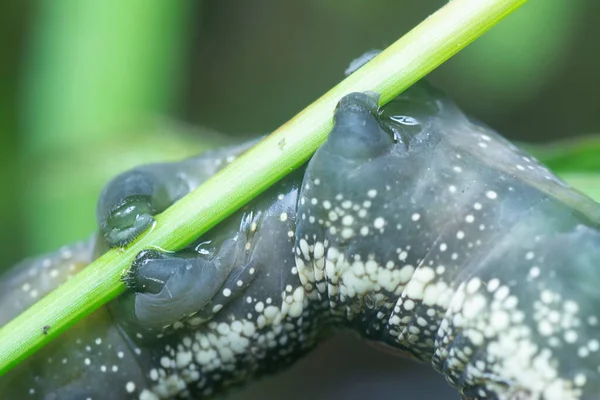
x=411, y=225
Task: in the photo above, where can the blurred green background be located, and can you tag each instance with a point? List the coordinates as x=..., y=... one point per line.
x=91, y=88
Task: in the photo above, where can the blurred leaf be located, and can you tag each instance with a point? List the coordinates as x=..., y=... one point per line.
x=576, y=161
x=579, y=154
x=97, y=74
x=586, y=183
x=98, y=68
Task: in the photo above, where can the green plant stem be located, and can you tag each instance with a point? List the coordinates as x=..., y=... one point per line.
x=409, y=59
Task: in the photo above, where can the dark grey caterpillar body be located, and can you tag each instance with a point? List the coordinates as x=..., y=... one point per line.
x=411, y=225
x=456, y=247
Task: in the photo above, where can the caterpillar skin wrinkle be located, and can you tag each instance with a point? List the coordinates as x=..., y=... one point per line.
x=412, y=225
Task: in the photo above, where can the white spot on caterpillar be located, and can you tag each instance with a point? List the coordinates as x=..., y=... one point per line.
x=534, y=272
x=570, y=336
x=130, y=387
x=347, y=233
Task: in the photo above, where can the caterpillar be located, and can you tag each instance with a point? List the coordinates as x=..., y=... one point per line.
x=413, y=225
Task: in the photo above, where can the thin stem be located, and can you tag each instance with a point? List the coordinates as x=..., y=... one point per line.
x=409, y=59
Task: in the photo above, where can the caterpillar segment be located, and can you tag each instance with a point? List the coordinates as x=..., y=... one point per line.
x=413, y=226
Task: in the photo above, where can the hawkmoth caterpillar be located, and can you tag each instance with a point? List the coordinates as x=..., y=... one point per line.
x=412, y=225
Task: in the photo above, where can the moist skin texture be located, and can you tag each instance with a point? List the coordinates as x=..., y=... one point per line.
x=412, y=226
